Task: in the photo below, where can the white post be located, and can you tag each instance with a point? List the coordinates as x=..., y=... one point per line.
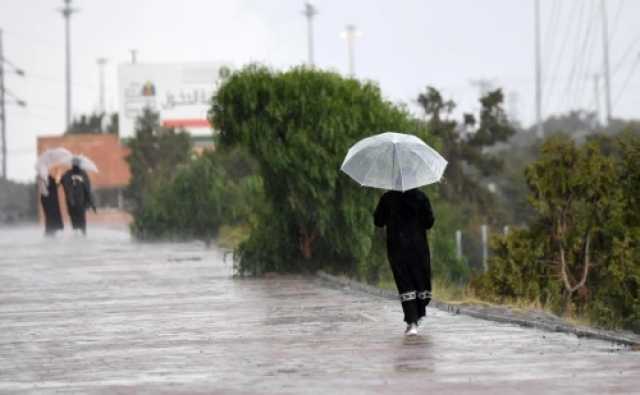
x=458, y=244
x=485, y=250
x=539, y=126
x=605, y=61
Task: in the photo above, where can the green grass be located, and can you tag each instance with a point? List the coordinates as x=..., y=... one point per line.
x=230, y=236
x=451, y=293
x=442, y=290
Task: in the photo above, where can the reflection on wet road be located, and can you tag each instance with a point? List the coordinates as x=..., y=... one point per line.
x=104, y=314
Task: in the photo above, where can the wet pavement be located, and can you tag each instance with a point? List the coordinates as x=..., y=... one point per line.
x=105, y=314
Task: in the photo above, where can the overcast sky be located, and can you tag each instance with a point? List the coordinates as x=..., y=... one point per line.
x=404, y=46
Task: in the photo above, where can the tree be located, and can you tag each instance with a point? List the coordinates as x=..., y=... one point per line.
x=205, y=193
x=573, y=190
x=156, y=154
x=580, y=253
x=18, y=201
x=298, y=125
x=463, y=146
x=94, y=123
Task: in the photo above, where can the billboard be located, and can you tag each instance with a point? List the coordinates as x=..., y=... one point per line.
x=179, y=92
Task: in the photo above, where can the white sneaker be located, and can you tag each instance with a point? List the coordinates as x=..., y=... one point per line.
x=412, y=330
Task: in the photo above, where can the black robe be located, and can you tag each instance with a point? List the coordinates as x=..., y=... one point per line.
x=407, y=216
x=77, y=191
x=51, y=208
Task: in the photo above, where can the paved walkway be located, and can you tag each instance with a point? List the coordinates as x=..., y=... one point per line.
x=104, y=314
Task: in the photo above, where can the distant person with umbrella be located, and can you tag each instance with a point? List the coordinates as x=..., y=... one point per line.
x=50, y=204
x=78, y=194
x=400, y=163
x=48, y=187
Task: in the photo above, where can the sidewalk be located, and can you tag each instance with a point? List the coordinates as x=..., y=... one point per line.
x=108, y=315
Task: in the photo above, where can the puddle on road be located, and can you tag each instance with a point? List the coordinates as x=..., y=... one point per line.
x=184, y=259
x=325, y=319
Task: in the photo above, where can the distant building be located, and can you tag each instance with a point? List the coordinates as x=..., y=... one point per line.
x=109, y=155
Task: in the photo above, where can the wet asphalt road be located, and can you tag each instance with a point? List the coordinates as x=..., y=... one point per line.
x=107, y=315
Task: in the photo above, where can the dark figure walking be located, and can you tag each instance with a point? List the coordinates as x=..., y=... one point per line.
x=77, y=190
x=50, y=205
x=407, y=216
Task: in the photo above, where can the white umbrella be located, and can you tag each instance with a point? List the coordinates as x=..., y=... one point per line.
x=85, y=163
x=393, y=161
x=52, y=157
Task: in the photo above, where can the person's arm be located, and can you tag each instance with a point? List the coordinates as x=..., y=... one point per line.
x=89, y=192
x=65, y=180
x=426, y=213
x=380, y=215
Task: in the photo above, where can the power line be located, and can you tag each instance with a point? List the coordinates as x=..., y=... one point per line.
x=52, y=45
x=628, y=79
x=580, y=76
x=3, y=109
x=563, y=47
x=630, y=50
x=605, y=61
x=616, y=19
x=587, y=69
x=577, y=57
x=538, y=65
x=50, y=79
x=574, y=35
x=551, y=29
x=551, y=47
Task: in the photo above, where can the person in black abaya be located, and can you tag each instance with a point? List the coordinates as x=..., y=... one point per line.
x=50, y=205
x=407, y=217
x=77, y=190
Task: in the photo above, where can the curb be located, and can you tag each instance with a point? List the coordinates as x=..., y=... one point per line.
x=496, y=314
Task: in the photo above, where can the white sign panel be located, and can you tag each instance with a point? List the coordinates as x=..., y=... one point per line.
x=180, y=93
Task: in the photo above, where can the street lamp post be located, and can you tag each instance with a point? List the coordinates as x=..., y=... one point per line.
x=350, y=34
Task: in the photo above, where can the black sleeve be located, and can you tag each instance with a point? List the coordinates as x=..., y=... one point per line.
x=88, y=191
x=65, y=181
x=426, y=213
x=380, y=215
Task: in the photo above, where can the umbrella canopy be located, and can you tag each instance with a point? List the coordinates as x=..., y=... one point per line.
x=84, y=163
x=393, y=161
x=52, y=157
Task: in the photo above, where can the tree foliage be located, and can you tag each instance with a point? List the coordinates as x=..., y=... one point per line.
x=155, y=155
x=94, y=123
x=298, y=125
x=471, y=168
x=581, y=253
x=205, y=193
x=463, y=145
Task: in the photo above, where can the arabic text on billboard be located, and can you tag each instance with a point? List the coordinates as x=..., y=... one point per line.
x=180, y=93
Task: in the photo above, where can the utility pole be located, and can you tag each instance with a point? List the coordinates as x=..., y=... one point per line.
x=3, y=117
x=101, y=62
x=596, y=92
x=605, y=53
x=310, y=11
x=134, y=56
x=3, y=105
x=539, y=126
x=350, y=35
x=66, y=12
